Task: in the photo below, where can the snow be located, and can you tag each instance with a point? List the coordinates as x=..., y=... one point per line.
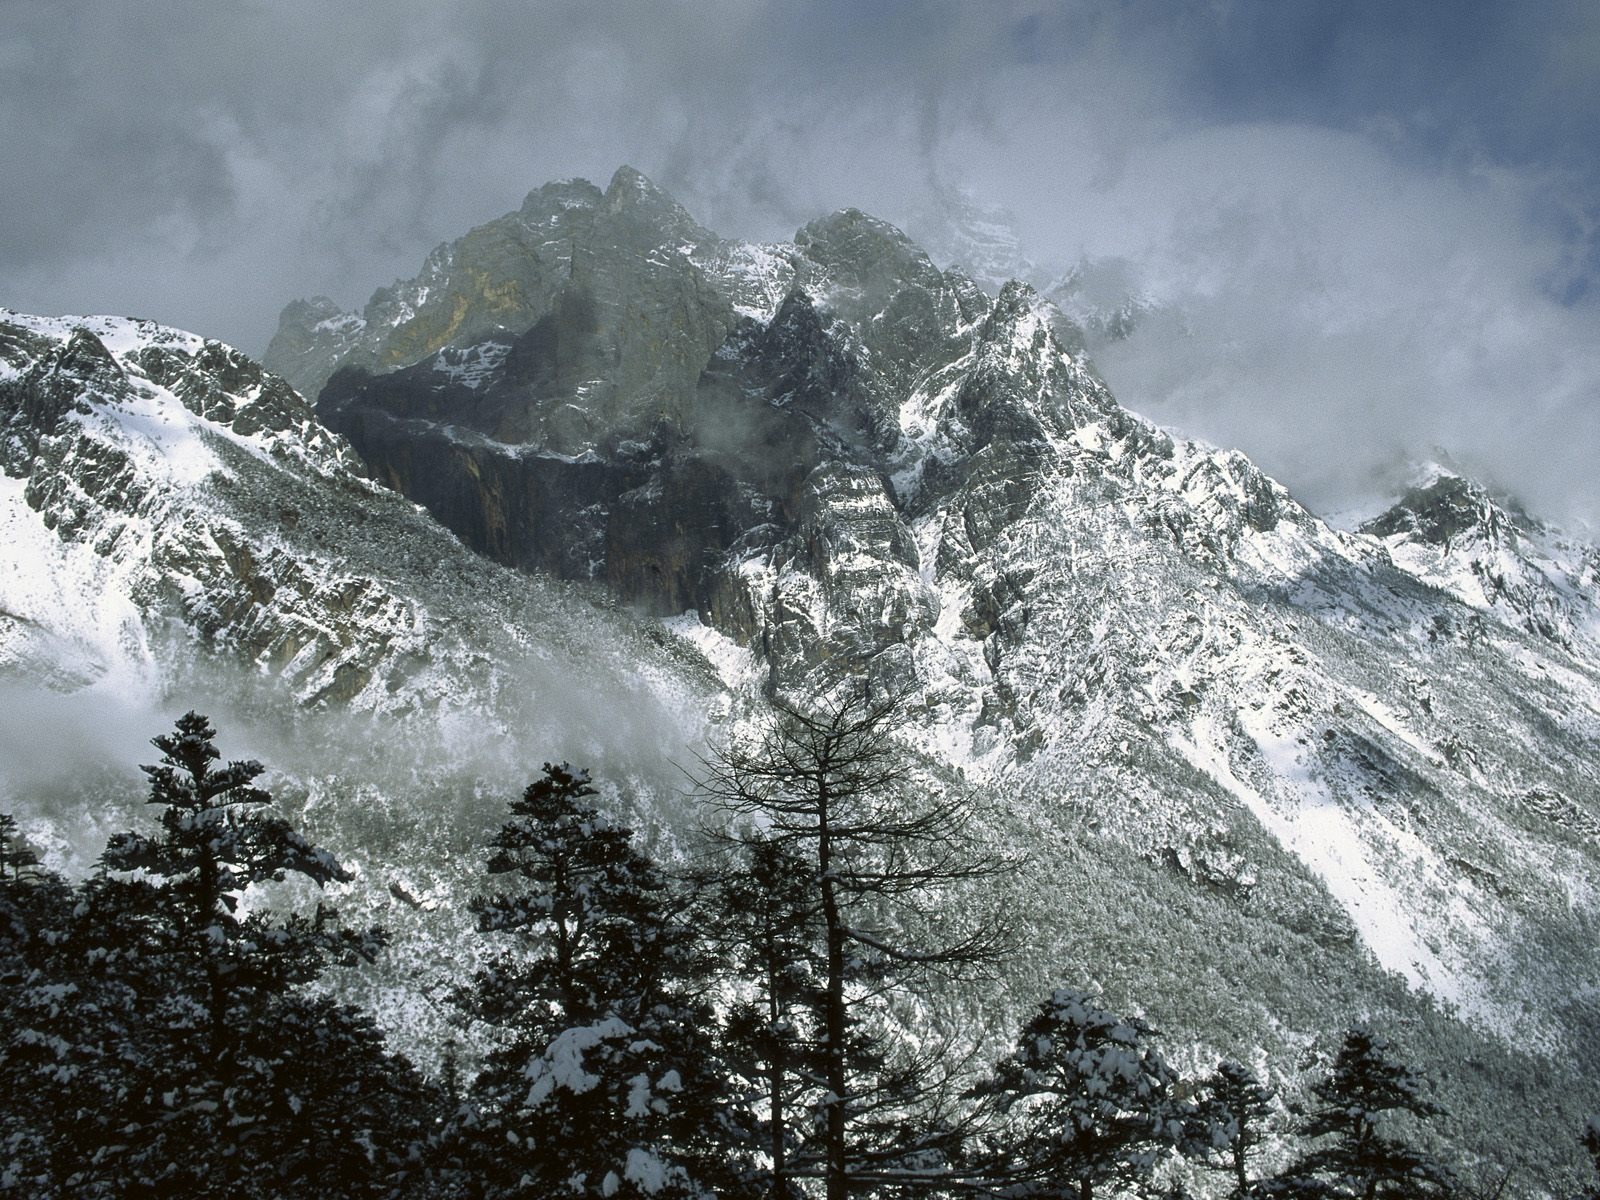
x=344, y=323
x=759, y=275
x=120, y=335
x=73, y=600
x=645, y=1171
x=638, y=1097
x=163, y=437
x=562, y=1064
x=471, y=366
x=1379, y=873
x=1390, y=720
x=734, y=664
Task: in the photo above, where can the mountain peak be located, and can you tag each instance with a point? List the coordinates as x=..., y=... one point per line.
x=1445, y=509
x=629, y=181
x=561, y=194
x=633, y=193
x=865, y=252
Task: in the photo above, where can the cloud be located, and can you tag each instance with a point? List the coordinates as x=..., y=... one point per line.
x=1328, y=309
x=1381, y=223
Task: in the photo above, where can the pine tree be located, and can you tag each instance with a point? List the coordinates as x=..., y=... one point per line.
x=763, y=915
x=604, y=1081
x=217, y=839
x=17, y=858
x=1233, y=1111
x=1091, y=1102
x=872, y=848
x=1364, y=1092
x=228, y=1081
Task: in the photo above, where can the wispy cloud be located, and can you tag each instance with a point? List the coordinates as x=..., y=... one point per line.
x=1380, y=223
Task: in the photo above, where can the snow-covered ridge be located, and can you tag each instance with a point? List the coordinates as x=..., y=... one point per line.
x=172, y=393
x=1453, y=534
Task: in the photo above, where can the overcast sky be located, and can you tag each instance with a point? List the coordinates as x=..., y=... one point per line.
x=1374, y=222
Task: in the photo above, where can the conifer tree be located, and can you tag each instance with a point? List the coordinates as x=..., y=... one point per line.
x=227, y=1080
x=1233, y=1111
x=1091, y=1103
x=218, y=839
x=604, y=1082
x=764, y=918
x=16, y=856
x=1363, y=1097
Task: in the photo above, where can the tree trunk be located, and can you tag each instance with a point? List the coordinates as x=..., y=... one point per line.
x=216, y=988
x=834, y=1016
x=780, y=1182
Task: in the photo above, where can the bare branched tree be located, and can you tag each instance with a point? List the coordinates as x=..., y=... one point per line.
x=833, y=789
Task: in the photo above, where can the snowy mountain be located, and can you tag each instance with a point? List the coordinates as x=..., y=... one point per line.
x=1494, y=557
x=1271, y=776
x=1374, y=748
x=180, y=532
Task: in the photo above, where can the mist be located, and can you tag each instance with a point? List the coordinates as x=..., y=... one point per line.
x=413, y=784
x=1372, y=231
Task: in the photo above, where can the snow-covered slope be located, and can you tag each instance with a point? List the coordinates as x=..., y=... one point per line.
x=155, y=477
x=180, y=532
x=1308, y=760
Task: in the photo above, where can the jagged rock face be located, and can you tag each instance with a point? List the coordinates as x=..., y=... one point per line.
x=1442, y=512
x=1496, y=558
x=641, y=426
x=158, y=483
x=594, y=293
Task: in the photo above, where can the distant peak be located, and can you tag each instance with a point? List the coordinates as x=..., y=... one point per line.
x=861, y=249
x=630, y=187
x=1444, y=506
x=851, y=222
x=628, y=180
x=639, y=200
x=1019, y=296
x=562, y=194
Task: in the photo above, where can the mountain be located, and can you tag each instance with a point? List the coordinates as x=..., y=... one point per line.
x=181, y=533
x=1270, y=776
x=1325, y=748
x=1495, y=558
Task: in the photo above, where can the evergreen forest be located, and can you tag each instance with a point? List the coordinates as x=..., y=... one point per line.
x=729, y=1023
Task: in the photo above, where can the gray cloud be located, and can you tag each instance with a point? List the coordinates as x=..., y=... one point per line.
x=1376, y=225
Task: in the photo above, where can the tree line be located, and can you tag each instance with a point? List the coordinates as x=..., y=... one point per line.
x=733, y=1029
